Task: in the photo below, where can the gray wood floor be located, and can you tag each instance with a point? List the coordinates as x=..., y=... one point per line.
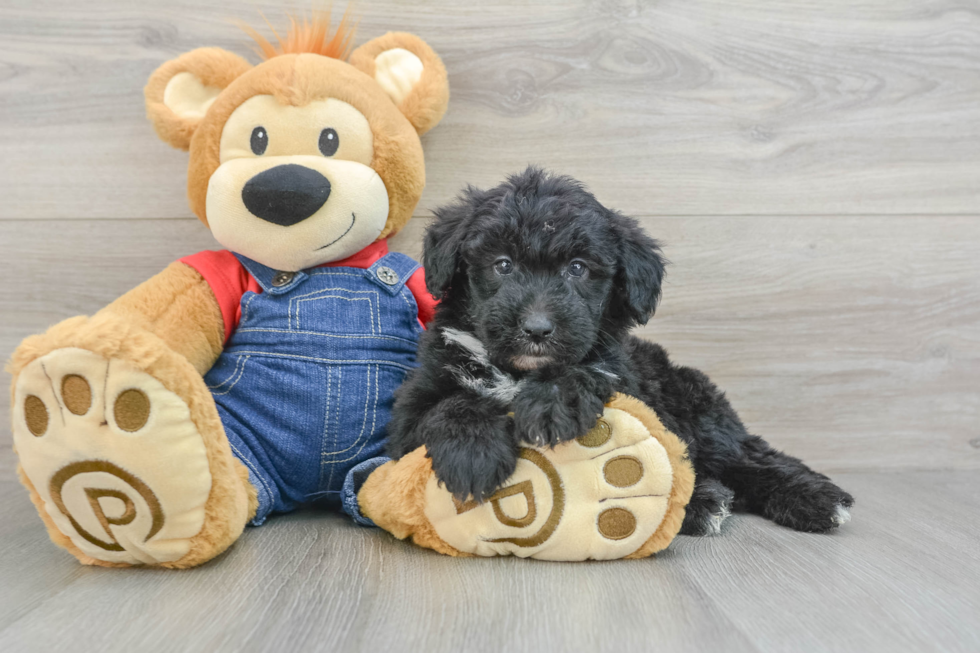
x=813, y=170
x=903, y=576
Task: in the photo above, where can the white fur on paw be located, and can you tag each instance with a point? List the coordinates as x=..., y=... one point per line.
x=716, y=519
x=841, y=515
x=115, y=457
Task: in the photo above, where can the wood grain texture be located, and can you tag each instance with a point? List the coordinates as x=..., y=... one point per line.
x=850, y=342
x=903, y=576
x=674, y=107
x=730, y=127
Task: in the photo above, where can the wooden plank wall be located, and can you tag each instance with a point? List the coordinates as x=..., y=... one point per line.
x=812, y=168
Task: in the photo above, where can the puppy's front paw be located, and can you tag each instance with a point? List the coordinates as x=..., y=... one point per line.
x=475, y=469
x=548, y=413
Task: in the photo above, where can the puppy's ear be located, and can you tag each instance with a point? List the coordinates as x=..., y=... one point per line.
x=640, y=270
x=443, y=245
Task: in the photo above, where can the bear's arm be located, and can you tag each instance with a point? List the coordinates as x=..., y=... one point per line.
x=179, y=307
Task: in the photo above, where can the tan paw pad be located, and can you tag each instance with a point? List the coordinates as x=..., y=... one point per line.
x=599, y=497
x=115, y=457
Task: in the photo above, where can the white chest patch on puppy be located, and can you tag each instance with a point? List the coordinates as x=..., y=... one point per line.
x=601, y=370
x=469, y=342
x=486, y=379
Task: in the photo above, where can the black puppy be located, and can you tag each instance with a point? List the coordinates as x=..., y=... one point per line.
x=539, y=286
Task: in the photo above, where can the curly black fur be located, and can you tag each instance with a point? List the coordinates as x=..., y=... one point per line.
x=539, y=286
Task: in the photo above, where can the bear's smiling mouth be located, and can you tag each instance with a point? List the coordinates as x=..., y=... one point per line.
x=353, y=219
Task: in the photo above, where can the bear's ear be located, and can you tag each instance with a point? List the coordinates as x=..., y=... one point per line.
x=410, y=72
x=180, y=91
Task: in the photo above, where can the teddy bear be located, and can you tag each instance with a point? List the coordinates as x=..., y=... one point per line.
x=259, y=378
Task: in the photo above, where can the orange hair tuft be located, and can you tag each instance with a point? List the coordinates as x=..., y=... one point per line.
x=308, y=36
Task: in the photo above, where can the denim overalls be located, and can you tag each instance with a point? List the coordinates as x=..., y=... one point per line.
x=305, y=384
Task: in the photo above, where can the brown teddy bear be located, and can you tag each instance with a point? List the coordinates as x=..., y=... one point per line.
x=252, y=380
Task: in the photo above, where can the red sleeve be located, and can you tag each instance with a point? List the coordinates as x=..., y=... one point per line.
x=229, y=280
x=426, y=302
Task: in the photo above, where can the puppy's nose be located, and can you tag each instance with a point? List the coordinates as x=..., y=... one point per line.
x=286, y=194
x=537, y=325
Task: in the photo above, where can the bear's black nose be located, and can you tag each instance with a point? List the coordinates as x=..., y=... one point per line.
x=538, y=326
x=286, y=194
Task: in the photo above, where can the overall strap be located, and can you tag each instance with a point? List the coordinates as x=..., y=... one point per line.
x=273, y=282
x=391, y=271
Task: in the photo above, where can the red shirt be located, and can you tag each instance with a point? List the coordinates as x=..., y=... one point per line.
x=229, y=280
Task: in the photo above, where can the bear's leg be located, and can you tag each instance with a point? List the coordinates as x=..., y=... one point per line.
x=619, y=491
x=121, y=447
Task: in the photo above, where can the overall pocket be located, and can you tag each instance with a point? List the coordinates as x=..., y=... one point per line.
x=358, y=408
x=350, y=311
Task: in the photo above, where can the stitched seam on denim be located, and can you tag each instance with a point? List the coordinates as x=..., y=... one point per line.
x=246, y=307
x=337, y=421
x=367, y=402
x=236, y=374
x=349, y=299
x=248, y=463
x=374, y=420
x=266, y=354
x=369, y=273
x=340, y=381
x=326, y=425
x=331, y=335
x=415, y=321
x=331, y=289
x=333, y=466
x=339, y=274
x=294, y=302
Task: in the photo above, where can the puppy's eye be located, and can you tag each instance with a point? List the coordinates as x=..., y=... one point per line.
x=329, y=141
x=577, y=269
x=260, y=141
x=503, y=266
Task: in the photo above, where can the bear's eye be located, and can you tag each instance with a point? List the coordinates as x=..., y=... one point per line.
x=329, y=141
x=503, y=266
x=577, y=268
x=260, y=141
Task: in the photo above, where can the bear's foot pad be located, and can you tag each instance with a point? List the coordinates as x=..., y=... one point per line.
x=115, y=459
x=599, y=497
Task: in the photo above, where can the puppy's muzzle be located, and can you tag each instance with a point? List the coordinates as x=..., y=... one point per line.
x=286, y=195
x=538, y=326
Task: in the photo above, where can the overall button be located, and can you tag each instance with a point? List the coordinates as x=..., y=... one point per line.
x=387, y=275
x=282, y=278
